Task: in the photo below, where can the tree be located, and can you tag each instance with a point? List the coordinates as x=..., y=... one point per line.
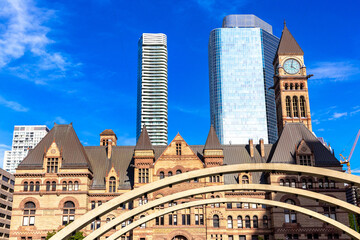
x=77, y=236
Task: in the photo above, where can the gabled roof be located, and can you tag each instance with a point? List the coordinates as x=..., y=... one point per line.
x=212, y=141
x=291, y=136
x=288, y=44
x=144, y=142
x=73, y=153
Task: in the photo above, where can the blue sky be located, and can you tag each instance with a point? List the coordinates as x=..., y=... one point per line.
x=76, y=61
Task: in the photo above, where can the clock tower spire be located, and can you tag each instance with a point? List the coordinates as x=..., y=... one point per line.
x=290, y=83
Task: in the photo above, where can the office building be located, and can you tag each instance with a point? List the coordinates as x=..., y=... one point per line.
x=152, y=88
x=25, y=137
x=7, y=183
x=241, y=55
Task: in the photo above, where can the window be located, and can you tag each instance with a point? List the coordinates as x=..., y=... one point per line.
x=70, y=186
x=282, y=182
x=186, y=217
x=37, y=186
x=245, y=179
x=332, y=184
x=242, y=237
x=239, y=222
x=173, y=219
x=31, y=186
x=53, y=186
x=229, y=205
x=47, y=186
x=293, y=183
x=247, y=222
x=68, y=212
x=112, y=184
x=29, y=214
x=26, y=186
x=305, y=160
x=265, y=222
x=170, y=174
x=301, y=86
x=287, y=183
x=162, y=175
x=292, y=236
x=159, y=221
x=64, y=186
x=93, y=205
x=290, y=215
x=296, y=86
x=178, y=171
x=52, y=165
x=255, y=222
x=321, y=183
x=310, y=184
x=217, y=204
x=216, y=221
x=291, y=86
x=246, y=205
x=304, y=185
x=230, y=237
x=76, y=185
x=229, y=222
x=143, y=225
x=302, y=107
x=288, y=106
x=330, y=212
x=295, y=107
x=143, y=175
x=199, y=219
x=100, y=203
x=178, y=148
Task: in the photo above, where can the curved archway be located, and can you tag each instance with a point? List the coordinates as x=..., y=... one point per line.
x=179, y=237
x=221, y=188
x=302, y=210
x=151, y=187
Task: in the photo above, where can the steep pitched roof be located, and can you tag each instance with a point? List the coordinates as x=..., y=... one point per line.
x=291, y=136
x=73, y=152
x=212, y=141
x=143, y=142
x=288, y=44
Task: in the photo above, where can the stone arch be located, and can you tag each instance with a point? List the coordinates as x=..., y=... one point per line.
x=29, y=199
x=292, y=197
x=64, y=200
x=180, y=233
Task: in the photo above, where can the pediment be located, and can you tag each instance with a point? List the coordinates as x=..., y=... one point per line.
x=303, y=148
x=53, y=150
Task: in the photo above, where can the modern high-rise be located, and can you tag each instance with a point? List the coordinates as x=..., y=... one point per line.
x=242, y=103
x=25, y=137
x=152, y=88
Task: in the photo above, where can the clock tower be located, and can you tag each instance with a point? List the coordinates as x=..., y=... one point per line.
x=290, y=83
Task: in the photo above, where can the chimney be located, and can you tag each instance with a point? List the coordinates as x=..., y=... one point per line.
x=251, y=147
x=262, y=147
x=109, y=149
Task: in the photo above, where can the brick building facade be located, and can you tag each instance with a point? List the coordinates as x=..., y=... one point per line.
x=6, y=198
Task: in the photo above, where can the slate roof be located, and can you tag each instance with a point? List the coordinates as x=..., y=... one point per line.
x=73, y=152
x=289, y=140
x=143, y=142
x=212, y=141
x=288, y=44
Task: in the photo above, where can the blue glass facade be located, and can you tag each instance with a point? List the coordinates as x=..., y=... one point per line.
x=241, y=71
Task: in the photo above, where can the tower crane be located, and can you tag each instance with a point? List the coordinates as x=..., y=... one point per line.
x=347, y=160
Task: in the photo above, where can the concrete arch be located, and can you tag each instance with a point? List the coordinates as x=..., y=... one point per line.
x=219, y=188
x=151, y=187
x=302, y=210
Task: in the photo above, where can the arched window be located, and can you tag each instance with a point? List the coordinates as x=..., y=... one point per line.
x=217, y=178
x=68, y=212
x=214, y=179
x=310, y=184
x=288, y=106
x=47, y=186
x=230, y=222
x=217, y=204
x=210, y=179
x=64, y=186
x=37, y=186
x=282, y=182
x=216, y=221
x=239, y=222
x=287, y=183
x=162, y=175
x=265, y=222
x=255, y=222
x=293, y=183
x=112, y=184
x=26, y=186
x=291, y=86
x=143, y=225
x=31, y=186
x=302, y=107
x=295, y=107
x=247, y=222
x=304, y=183
x=286, y=86
x=301, y=86
x=170, y=174
x=178, y=171
x=29, y=214
x=326, y=183
x=332, y=184
x=245, y=179
x=53, y=186
x=290, y=215
x=70, y=186
x=296, y=86
x=321, y=183
x=76, y=185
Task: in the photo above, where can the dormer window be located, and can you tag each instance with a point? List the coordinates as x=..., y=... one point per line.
x=304, y=155
x=305, y=160
x=52, y=165
x=178, y=148
x=112, y=184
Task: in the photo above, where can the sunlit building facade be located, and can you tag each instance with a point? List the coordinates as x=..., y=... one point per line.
x=241, y=72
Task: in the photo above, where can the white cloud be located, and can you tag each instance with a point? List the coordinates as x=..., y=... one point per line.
x=25, y=37
x=13, y=105
x=336, y=71
x=57, y=120
x=337, y=115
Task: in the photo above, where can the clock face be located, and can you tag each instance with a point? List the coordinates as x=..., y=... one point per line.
x=292, y=66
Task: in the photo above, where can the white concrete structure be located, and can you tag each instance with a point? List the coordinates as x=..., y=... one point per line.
x=25, y=137
x=152, y=95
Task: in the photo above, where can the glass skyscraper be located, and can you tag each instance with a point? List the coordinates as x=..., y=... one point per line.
x=152, y=88
x=242, y=106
